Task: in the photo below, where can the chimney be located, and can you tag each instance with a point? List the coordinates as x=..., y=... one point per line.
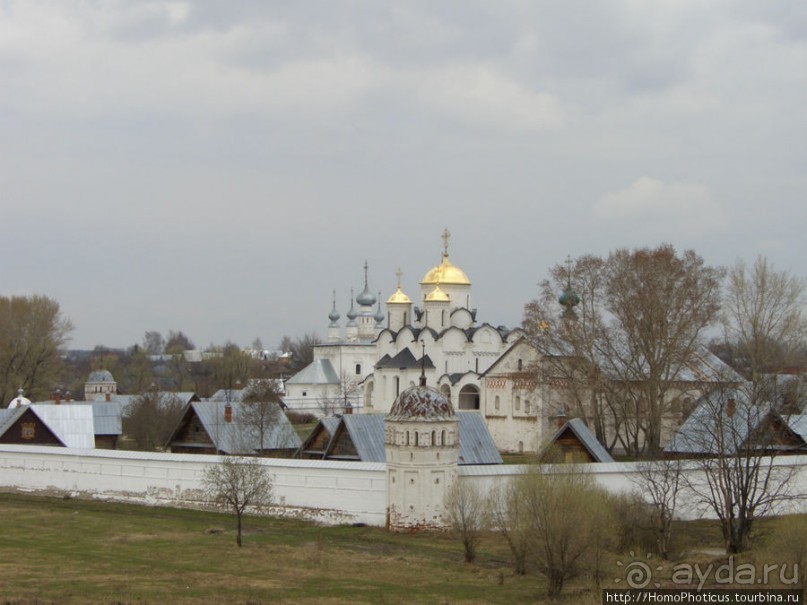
x=108, y=397
x=228, y=413
x=57, y=396
x=731, y=406
x=348, y=408
x=561, y=418
x=68, y=396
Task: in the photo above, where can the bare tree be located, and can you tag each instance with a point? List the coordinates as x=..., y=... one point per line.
x=344, y=399
x=467, y=515
x=301, y=349
x=763, y=319
x=151, y=418
x=640, y=321
x=33, y=333
x=510, y=516
x=736, y=441
x=260, y=411
x=153, y=342
x=659, y=481
x=567, y=522
x=237, y=484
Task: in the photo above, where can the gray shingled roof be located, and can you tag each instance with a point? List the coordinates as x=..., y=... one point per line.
x=317, y=372
x=404, y=360
x=586, y=438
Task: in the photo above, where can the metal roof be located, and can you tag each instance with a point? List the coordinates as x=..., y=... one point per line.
x=711, y=427
x=237, y=436
x=366, y=431
x=798, y=423
x=319, y=371
x=106, y=418
x=586, y=438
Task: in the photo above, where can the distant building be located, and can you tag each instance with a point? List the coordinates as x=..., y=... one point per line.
x=100, y=386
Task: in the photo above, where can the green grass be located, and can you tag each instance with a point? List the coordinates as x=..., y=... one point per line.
x=57, y=551
x=72, y=551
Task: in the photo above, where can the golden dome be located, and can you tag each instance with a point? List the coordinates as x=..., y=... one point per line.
x=446, y=273
x=437, y=295
x=399, y=297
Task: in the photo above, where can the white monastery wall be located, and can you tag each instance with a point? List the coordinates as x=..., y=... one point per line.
x=326, y=491
x=329, y=492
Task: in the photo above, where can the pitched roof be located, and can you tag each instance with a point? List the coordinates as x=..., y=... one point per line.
x=714, y=428
x=586, y=439
x=366, y=431
x=70, y=424
x=404, y=360
x=319, y=371
x=238, y=436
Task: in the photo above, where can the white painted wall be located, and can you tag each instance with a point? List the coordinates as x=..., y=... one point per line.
x=325, y=491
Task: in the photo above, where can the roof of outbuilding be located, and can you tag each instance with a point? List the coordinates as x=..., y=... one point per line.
x=366, y=432
x=71, y=424
x=319, y=371
x=238, y=436
x=712, y=427
x=586, y=439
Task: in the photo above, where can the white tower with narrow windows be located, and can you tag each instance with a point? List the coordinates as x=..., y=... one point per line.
x=421, y=439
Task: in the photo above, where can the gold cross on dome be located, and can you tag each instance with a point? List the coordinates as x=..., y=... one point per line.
x=398, y=275
x=446, y=236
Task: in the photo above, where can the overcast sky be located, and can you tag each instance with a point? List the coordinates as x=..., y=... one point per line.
x=220, y=167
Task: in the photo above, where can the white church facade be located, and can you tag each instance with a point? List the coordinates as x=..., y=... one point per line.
x=376, y=355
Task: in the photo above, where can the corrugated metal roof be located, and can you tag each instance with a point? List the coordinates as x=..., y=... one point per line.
x=72, y=424
x=798, y=422
x=238, y=437
x=106, y=418
x=317, y=372
x=367, y=433
x=476, y=444
x=586, y=438
x=711, y=428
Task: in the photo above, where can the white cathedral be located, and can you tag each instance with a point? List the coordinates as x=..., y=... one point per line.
x=366, y=364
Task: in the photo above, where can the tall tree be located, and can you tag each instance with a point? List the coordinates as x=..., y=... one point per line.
x=301, y=349
x=261, y=409
x=763, y=318
x=153, y=342
x=33, y=333
x=641, y=320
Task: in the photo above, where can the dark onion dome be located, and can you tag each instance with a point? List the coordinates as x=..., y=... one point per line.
x=569, y=298
x=421, y=403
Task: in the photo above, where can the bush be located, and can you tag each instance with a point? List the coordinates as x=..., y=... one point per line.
x=300, y=417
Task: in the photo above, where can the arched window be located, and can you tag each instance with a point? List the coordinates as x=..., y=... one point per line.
x=526, y=406
x=416, y=439
x=518, y=403
x=520, y=447
x=520, y=365
x=434, y=438
x=358, y=369
x=443, y=437
x=496, y=403
x=407, y=437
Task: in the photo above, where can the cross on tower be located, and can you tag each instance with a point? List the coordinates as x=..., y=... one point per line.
x=446, y=236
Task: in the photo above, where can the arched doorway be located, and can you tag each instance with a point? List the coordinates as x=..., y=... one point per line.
x=469, y=397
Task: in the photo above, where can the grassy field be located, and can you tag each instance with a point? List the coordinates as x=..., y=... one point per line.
x=68, y=551
x=73, y=551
